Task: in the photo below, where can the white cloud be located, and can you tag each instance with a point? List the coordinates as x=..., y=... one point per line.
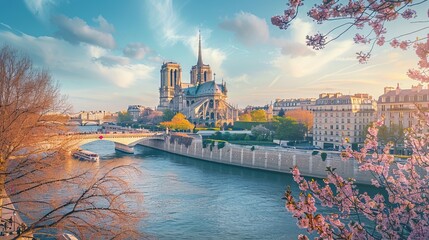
x=136, y=50
x=76, y=30
x=292, y=48
x=298, y=60
x=239, y=80
x=5, y=25
x=111, y=60
x=300, y=29
x=304, y=66
x=247, y=28
x=40, y=8
x=295, y=45
x=213, y=56
x=164, y=18
x=104, y=25
x=79, y=64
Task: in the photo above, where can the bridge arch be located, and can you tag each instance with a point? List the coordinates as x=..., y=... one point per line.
x=123, y=142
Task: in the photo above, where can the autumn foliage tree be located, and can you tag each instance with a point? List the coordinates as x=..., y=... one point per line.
x=178, y=122
x=245, y=117
x=89, y=203
x=258, y=115
x=302, y=116
x=401, y=212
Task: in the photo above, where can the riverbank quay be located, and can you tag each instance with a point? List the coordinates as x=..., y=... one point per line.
x=11, y=222
x=264, y=158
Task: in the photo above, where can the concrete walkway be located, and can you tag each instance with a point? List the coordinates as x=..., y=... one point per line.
x=10, y=221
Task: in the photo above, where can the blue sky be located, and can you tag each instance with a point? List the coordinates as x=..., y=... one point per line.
x=107, y=54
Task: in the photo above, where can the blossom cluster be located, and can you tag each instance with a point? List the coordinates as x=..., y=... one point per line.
x=357, y=13
x=399, y=211
x=422, y=52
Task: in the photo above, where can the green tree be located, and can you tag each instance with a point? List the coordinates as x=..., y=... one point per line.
x=259, y=115
x=167, y=115
x=281, y=113
x=124, y=117
x=178, y=122
x=394, y=134
x=260, y=132
x=288, y=129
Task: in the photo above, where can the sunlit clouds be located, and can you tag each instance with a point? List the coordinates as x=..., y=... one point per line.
x=97, y=49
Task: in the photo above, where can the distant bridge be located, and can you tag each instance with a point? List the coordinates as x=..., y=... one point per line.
x=124, y=142
x=84, y=122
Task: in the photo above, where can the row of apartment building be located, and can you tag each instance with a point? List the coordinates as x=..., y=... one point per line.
x=340, y=120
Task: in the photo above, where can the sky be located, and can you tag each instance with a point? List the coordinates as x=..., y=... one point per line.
x=107, y=54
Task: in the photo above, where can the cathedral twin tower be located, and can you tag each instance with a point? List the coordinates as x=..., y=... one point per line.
x=171, y=77
x=202, y=100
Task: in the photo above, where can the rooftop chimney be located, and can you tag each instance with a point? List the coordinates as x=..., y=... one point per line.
x=388, y=89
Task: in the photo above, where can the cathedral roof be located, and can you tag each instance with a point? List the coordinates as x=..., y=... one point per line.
x=205, y=88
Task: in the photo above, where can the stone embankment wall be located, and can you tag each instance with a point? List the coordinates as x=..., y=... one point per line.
x=271, y=159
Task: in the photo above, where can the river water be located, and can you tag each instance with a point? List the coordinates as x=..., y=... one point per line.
x=186, y=198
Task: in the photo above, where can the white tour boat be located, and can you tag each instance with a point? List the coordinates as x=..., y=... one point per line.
x=86, y=155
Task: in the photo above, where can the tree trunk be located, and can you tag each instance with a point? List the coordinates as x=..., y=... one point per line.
x=3, y=193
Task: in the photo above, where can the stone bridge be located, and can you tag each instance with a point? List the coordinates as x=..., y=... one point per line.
x=84, y=122
x=124, y=142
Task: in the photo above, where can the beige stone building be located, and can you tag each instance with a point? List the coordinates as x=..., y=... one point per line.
x=203, y=101
x=399, y=105
x=292, y=104
x=135, y=111
x=339, y=120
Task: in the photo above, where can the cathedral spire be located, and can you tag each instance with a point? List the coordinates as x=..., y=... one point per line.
x=200, y=58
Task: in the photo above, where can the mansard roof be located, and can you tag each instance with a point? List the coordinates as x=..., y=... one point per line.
x=405, y=95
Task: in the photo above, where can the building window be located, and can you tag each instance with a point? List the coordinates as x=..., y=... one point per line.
x=171, y=77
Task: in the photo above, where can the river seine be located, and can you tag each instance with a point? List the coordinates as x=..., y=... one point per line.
x=186, y=198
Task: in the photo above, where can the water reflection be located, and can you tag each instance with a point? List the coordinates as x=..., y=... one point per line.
x=185, y=198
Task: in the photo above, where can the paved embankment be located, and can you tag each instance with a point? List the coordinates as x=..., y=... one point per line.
x=271, y=159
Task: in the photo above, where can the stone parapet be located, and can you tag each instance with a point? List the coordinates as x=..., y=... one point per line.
x=269, y=159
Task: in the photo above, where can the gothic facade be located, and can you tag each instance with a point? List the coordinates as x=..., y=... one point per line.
x=203, y=101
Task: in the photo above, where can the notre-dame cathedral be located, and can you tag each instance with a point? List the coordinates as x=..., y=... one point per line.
x=203, y=101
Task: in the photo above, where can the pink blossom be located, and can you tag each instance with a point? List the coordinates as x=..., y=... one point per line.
x=409, y=13
x=360, y=39
x=363, y=57
x=317, y=41
x=303, y=222
x=377, y=26
x=404, y=184
x=394, y=43
x=380, y=41
x=404, y=45
x=302, y=237
x=280, y=21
